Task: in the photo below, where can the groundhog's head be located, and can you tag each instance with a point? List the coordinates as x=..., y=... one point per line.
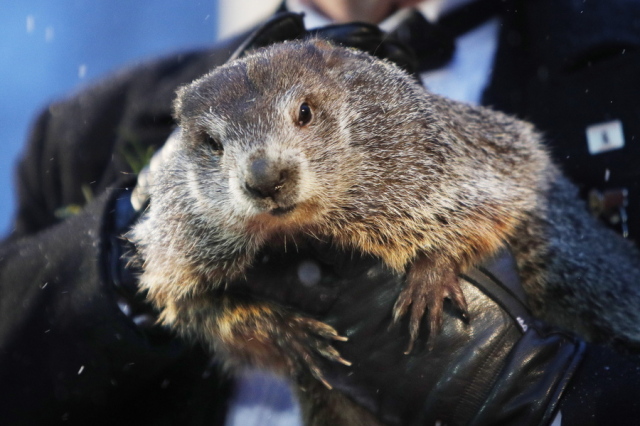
x=286, y=133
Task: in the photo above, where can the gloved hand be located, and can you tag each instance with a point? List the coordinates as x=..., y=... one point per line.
x=501, y=366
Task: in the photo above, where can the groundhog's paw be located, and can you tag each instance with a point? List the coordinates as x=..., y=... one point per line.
x=284, y=343
x=424, y=293
x=256, y=334
x=305, y=339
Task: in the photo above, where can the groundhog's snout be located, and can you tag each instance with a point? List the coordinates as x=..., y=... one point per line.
x=264, y=179
x=269, y=181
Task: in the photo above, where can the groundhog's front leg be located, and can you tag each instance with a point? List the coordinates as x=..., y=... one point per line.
x=429, y=281
x=259, y=334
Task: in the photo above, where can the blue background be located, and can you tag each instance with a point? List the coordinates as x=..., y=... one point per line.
x=50, y=48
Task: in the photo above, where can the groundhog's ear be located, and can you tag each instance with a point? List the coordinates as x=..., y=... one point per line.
x=331, y=55
x=322, y=44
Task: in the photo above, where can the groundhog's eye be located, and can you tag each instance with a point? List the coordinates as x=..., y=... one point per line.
x=304, y=114
x=213, y=143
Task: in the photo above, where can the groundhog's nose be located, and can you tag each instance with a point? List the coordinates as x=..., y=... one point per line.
x=265, y=179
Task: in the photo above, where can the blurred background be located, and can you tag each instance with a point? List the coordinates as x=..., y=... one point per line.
x=52, y=48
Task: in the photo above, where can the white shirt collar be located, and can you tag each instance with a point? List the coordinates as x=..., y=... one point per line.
x=312, y=18
x=432, y=10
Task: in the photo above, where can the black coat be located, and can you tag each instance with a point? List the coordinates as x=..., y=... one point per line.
x=568, y=65
x=66, y=350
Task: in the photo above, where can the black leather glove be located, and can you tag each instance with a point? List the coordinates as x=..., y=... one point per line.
x=500, y=367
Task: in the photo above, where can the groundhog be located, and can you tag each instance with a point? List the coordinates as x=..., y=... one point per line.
x=304, y=139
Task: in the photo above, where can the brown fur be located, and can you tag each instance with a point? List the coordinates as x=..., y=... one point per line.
x=428, y=185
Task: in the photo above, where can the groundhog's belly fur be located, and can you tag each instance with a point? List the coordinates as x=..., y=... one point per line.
x=311, y=140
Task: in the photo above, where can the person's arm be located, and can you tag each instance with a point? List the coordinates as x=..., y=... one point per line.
x=67, y=349
x=68, y=352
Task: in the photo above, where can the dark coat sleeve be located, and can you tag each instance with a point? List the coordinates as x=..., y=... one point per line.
x=67, y=352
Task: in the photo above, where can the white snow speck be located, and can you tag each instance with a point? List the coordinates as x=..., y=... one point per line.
x=31, y=24
x=49, y=34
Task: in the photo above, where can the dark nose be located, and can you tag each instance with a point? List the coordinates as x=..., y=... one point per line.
x=265, y=179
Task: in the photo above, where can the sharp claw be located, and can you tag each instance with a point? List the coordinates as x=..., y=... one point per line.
x=465, y=316
x=399, y=309
x=324, y=382
x=341, y=360
x=344, y=361
x=435, y=324
x=431, y=343
x=335, y=355
x=328, y=330
x=410, y=347
x=340, y=338
x=458, y=299
x=460, y=303
x=414, y=329
x=318, y=375
x=331, y=353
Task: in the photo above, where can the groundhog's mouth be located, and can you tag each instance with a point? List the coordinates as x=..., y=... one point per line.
x=281, y=211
